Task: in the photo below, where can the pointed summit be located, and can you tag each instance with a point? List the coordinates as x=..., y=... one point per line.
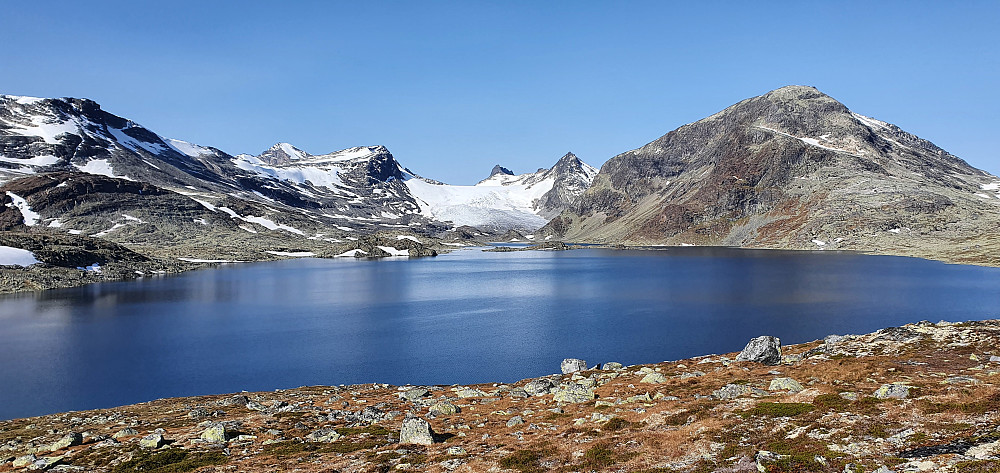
x=498, y=169
x=282, y=153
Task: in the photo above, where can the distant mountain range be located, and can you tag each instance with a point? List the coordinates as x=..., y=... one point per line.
x=361, y=189
x=791, y=169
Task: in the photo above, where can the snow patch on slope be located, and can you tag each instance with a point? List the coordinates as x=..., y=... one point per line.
x=16, y=256
x=496, y=201
x=30, y=216
x=100, y=167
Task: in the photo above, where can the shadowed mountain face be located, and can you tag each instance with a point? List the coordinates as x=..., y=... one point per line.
x=792, y=168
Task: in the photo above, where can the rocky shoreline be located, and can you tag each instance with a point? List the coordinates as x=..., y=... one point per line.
x=920, y=397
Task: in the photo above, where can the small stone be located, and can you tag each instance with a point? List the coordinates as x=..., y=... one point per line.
x=444, y=408
x=892, y=391
x=414, y=394
x=785, y=384
x=416, y=431
x=994, y=358
x=68, y=440
x=973, y=357
x=612, y=366
x=654, y=378
x=693, y=374
x=23, y=461
x=849, y=396
x=326, y=435
x=456, y=451
x=515, y=421
x=572, y=365
x=764, y=349
x=152, y=441
x=216, y=433
x=126, y=432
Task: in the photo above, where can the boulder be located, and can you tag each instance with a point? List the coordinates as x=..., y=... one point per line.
x=572, y=365
x=573, y=394
x=68, y=440
x=892, y=391
x=612, y=366
x=326, y=435
x=764, y=349
x=785, y=384
x=126, y=432
x=152, y=441
x=414, y=394
x=470, y=392
x=216, y=433
x=539, y=387
x=515, y=421
x=416, y=431
x=731, y=391
x=654, y=378
x=444, y=408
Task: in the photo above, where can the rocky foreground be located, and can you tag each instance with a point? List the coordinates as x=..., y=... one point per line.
x=921, y=397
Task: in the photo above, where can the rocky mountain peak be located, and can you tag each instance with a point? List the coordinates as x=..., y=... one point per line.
x=282, y=153
x=498, y=169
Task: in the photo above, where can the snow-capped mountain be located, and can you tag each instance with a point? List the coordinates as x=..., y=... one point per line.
x=505, y=201
x=283, y=189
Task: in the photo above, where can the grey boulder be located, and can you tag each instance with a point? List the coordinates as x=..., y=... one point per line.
x=416, y=431
x=764, y=349
x=572, y=365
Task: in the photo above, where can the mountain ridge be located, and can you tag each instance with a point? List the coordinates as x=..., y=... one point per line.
x=786, y=169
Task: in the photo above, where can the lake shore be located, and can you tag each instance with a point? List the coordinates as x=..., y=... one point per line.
x=920, y=397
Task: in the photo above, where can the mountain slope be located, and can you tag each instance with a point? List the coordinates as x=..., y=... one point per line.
x=792, y=168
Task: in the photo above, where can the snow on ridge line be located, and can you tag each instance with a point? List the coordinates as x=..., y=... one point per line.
x=11, y=256
x=197, y=260
x=30, y=216
x=294, y=254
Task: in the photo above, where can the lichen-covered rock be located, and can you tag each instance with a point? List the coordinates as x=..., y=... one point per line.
x=414, y=394
x=785, y=384
x=216, y=433
x=572, y=365
x=573, y=394
x=444, y=408
x=326, y=435
x=654, y=378
x=152, y=441
x=764, y=349
x=416, y=431
x=68, y=440
x=470, y=392
x=612, y=366
x=540, y=386
x=126, y=432
x=892, y=391
x=24, y=460
x=731, y=391
x=515, y=421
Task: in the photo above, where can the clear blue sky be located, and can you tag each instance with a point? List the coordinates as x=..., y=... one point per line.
x=455, y=87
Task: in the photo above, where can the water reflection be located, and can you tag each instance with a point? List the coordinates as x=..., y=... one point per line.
x=460, y=318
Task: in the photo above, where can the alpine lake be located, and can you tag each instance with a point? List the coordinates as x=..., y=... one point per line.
x=460, y=318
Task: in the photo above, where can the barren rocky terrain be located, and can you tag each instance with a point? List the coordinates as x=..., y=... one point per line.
x=921, y=397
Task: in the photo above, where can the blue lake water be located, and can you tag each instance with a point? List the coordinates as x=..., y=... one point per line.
x=464, y=317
